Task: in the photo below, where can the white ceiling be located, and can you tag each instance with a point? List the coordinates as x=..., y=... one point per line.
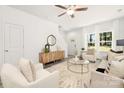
x=95, y=13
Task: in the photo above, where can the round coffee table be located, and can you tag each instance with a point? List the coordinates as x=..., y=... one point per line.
x=81, y=63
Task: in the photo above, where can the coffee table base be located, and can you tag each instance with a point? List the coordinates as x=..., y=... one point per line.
x=82, y=68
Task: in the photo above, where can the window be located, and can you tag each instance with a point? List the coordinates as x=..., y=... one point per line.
x=105, y=40
x=91, y=40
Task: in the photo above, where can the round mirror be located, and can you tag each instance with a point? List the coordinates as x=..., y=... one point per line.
x=51, y=40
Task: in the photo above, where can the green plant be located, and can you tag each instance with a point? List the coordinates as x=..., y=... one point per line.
x=46, y=50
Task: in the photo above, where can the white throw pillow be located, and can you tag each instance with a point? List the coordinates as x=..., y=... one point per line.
x=117, y=69
x=33, y=71
x=12, y=77
x=26, y=69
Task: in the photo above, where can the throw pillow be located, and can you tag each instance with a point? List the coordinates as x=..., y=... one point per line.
x=107, y=69
x=33, y=71
x=117, y=69
x=25, y=68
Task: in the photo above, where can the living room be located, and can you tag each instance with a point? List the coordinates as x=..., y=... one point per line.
x=66, y=49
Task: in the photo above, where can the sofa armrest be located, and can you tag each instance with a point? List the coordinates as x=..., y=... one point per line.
x=100, y=80
x=51, y=81
x=38, y=66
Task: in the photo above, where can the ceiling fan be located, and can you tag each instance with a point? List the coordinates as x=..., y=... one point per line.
x=71, y=9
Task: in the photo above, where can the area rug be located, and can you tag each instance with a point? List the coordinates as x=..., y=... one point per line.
x=69, y=79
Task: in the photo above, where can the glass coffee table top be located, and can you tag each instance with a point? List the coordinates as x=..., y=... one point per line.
x=72, y=63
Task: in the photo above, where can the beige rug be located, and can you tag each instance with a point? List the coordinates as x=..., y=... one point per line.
x=70, y=79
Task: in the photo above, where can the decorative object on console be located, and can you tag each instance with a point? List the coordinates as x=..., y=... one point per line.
x=51, y=41
x=120, y=43
x=47, y=48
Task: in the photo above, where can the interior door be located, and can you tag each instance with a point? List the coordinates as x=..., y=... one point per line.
x=72, y=47
x=13, y=48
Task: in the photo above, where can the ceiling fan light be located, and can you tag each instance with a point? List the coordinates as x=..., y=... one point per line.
x=70, y=12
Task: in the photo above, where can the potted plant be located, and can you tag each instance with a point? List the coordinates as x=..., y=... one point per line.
x=47, y=48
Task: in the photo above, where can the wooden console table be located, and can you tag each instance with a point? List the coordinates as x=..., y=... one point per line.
x=51, y=56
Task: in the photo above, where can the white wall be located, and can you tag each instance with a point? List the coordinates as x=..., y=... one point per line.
x=115, y=25
x=119, y=31
x=121, y=28
x=36, y=31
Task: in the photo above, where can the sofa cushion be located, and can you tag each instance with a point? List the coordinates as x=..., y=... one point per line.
x=41, y=74
x=117, y=69
x=100, y=80
x=12, y=77
x=119, y=58
x=26, y=69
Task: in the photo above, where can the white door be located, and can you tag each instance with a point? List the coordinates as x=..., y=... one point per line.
x=13, y=49
x=72, y=47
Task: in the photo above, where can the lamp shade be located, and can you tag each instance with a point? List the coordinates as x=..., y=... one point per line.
x=120, y=42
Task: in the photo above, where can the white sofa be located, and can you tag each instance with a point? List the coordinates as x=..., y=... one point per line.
x=101, y=80
x=11, y=77
x=105, y=80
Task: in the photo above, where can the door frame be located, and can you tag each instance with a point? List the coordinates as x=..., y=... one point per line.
x=3, y=29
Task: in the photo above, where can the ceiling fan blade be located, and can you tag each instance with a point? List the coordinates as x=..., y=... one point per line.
x=81, y=9
x=61, y=14
x=60, y=6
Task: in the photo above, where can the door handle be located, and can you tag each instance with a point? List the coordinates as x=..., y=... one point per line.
x=6, y=50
